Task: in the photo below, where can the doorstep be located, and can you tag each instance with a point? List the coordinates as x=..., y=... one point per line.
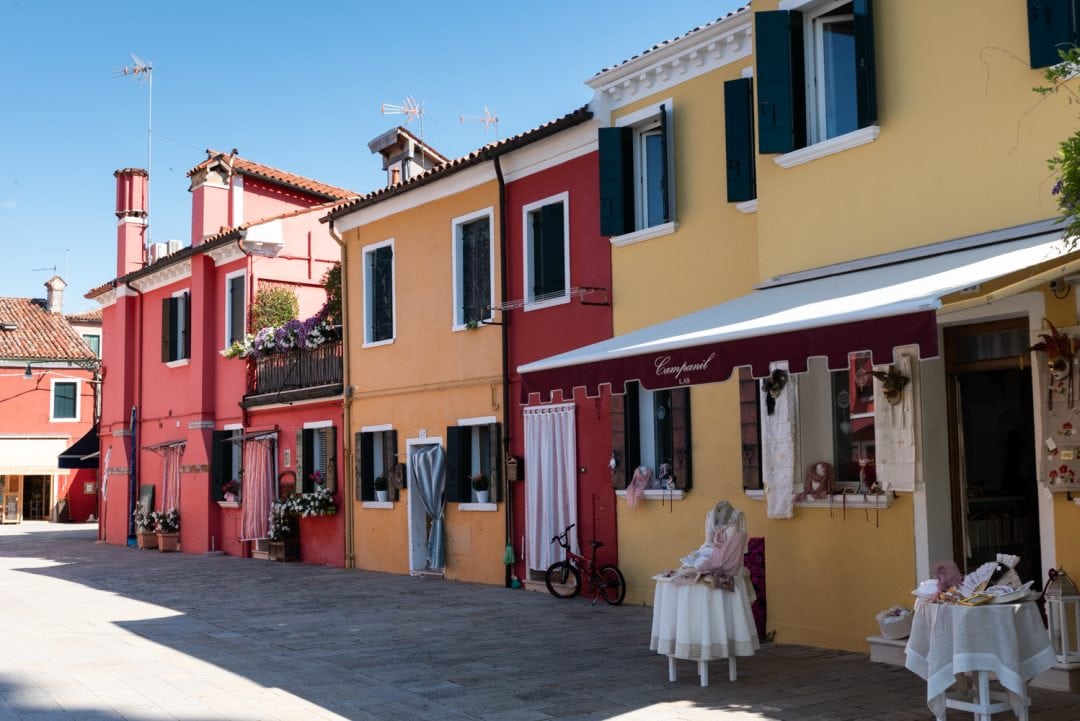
x=887, y=650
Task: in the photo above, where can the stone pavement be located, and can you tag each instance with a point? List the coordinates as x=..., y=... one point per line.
x=95, y=632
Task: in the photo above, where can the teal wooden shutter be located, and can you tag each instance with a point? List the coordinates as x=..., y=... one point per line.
x=549, y=252
x=680, y=438
x=331, y=459
x=495, y=461
x=185, y=340
x=739, y=139
x=382, y=296
x=365, y=468
x=781, y=84
x=236, y=309
x=665, y=181
x=1051, y=26
x=220, y=454
x=616, y=180
x=458, y=462
x=168, y=324
x=865, y=72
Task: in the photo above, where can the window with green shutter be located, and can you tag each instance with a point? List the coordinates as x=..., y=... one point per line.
x=376, y=456
x=473, y=268
x=546, y=235
x=235, y=306
x=1052, y=27
x=65, y=401
x=635, y=172
x=739, y=140
x=175, y=327
x=473, y=451
x=317, y=462
x=379, y=293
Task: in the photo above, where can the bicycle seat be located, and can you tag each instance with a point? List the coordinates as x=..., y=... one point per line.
x=595, y=544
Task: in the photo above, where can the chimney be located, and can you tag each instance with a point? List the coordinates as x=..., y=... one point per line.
x=54, y=294
x=403, y=155
x=131, y=189
x=395, y=175
x=210, y=198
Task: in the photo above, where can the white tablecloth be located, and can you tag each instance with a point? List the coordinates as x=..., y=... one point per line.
x=700, y=623
x=1007, y=639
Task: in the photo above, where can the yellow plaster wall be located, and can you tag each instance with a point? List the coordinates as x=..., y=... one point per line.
x=962, y=150
x=427, y=379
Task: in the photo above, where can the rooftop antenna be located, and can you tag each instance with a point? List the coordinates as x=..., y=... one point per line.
x=488, y=120
x=143, y=70
x=411, y=109
x=67, y=258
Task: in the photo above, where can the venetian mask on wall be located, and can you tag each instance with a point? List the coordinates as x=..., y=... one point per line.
x=892, y=384
x=772, y=386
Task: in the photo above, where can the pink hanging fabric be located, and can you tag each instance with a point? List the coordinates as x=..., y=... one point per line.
x=257, y=488
x=170, y=476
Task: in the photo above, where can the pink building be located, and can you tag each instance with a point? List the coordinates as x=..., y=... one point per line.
x=179, y=418
x=48, y=379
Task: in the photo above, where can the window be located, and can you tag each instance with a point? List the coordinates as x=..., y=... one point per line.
x=816, y=77
x=652, y=428
x=853, y=424
x=65, y=401
x=315, y=457
x=235, y=308
x=547, y=249
x=376, y=456
x=175, y=335
x=93, y=342
x=635, y=173
x=1053, y=25
x=226, y=460
x=739, y=140
x=473, y=269
x=472, y=450
x=750, y=424
x=379, y=295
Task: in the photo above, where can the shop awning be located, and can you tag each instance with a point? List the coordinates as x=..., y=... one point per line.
x=891, y=301
x=83, y=453
x=31, y=455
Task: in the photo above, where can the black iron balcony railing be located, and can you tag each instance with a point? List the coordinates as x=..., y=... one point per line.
x=297, y=370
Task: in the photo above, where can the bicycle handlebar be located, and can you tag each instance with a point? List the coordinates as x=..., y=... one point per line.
x=563, y=535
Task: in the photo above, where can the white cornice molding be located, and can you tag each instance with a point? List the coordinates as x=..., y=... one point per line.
x=107, y=298
x=680, y=60
x=169, y=274
x=225, y=254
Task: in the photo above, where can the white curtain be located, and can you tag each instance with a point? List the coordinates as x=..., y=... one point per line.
x=551, y=481
x=170, y=476
x=257, y=488
x=778, y=448
x=894, y=432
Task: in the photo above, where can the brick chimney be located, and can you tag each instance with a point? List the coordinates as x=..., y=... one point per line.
x=131, y=189
x=54, y=294
x=210, y=190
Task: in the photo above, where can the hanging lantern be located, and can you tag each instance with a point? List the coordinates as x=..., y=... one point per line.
x=1063, y=613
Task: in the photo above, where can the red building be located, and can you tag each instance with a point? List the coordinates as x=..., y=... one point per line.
x=48, y=379
x=179, y=418
x=558, y=273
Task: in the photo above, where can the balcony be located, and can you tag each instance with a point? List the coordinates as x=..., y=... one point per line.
x=295, y=376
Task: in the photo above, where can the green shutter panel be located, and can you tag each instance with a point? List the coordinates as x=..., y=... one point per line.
x=220, y=452
x=739, y=139
x=236, y=309
x=390, y=463
x=365, y=469
x=185, y=299
x=305, y=484
x=680, y=438
x=1050, y=29
x=458, y=451
x=781, y=84
x=383, y=294
x=495, y=461
x=665, y=181
x=331, y=459
x=167, y=324
x=620, y=475
x=616, y=180
x=551, y=258
x=865, y=73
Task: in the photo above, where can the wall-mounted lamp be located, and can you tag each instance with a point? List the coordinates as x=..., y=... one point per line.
x=28, y=374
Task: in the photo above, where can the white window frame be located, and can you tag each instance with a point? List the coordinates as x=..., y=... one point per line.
x=52, y=400
x=181, y=327
x=643, y=121
x=368, y=256
x=527, y=242
x=483, y=422
x=228, y=306
x=814, y=69
x=458, y=320
x=378, y=462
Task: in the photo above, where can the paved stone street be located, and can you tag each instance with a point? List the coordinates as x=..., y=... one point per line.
x=98, y=632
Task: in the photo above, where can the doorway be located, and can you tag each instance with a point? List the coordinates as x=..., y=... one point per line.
x=992, y=446
x=427, y=485
x=37, y=497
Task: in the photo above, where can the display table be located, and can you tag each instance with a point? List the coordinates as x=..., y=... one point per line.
x=699, y=623
x=1007, y=640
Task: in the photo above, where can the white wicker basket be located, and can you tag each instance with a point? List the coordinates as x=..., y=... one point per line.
x=895, y=627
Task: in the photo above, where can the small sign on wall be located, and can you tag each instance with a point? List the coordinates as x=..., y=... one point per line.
x=89, y=488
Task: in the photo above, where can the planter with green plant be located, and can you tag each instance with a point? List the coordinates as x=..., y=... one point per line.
x=144, y=528
x=482, y=486
x=382, y=489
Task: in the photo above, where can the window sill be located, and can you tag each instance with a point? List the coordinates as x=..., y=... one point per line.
x=849, y=500
x=376, y=343
x=547, y=303
x=63, y=420
x=831, y=146
x=486, y=507
x=377, y=504
x=229, y=504
x=747, y=206
x=637, y=236
x=658, y=494
x=479, y=324
x=178, y=363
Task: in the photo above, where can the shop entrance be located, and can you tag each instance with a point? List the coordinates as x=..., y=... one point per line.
x=992, y=446
x=36, y=497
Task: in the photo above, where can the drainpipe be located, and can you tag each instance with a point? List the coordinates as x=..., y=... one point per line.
x=349, y=489
x=507, y=524
x=139, y=308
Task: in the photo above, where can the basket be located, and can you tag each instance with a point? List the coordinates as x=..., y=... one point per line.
x=895, y=627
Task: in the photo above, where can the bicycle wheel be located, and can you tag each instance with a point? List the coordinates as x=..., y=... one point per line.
x=612, y=585
x=563, y=580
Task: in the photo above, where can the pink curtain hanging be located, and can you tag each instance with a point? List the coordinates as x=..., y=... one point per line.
x=170, y=476
x=257, y=488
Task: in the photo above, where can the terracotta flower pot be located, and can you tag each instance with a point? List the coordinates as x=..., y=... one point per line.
x=168, y=542
x=146, y=539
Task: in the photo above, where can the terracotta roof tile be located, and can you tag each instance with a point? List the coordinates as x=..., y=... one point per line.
x=38, y=334
x=665, y=43
x=87, y=316
x=487, y=152
x=265, y=172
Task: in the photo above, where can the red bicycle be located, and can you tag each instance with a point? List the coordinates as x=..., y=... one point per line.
x=563, y=578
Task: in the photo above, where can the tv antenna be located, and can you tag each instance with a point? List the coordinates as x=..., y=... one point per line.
x=488, y=120
x=143, y=70
x=411, y=109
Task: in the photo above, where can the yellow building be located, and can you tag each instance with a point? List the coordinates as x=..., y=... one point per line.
x=903, y=208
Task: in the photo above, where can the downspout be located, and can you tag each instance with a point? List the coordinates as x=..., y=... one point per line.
x=504, y=327
x=138, y=399
x=349, y=489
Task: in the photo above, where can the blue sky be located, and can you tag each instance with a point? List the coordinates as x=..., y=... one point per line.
x=297, y=86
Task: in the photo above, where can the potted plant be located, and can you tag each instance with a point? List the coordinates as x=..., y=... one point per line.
x=382, y=488
x=144, y=528
x=283, y=544
x=231, y=489
x=168, y=529
x=319, y=502
x=482, y=486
